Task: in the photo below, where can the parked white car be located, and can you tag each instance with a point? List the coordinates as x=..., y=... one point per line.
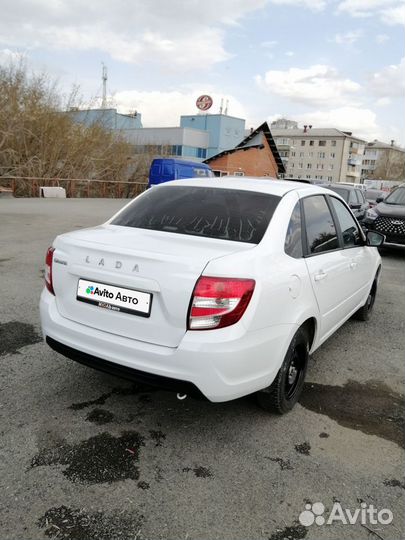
x=221, y=287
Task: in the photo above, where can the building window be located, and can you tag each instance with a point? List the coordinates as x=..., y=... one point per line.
x=310, y=154
x=292, y=165
x=302, y=143
x=311, y=143
x=333, y=143
x=308, y=176
x=309, y=165
x=332, y=155
x=301, y=154
x=330, y=178
x=322, y=143
x=321, y=155
x=239, y=173
x=330, y=167
x=292, y=154
x=372, y=161
x=300, y=165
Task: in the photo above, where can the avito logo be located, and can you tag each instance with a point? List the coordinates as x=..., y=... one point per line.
x=90, y=289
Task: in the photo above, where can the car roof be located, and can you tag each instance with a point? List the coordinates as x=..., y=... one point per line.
x=341, y=186
x=250, y=183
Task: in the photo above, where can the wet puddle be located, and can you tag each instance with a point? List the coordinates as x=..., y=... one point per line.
x=371, y=407
x=100, y=459
x=75, y=524
x=14, y=335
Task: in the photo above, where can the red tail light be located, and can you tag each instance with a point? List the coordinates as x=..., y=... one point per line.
x=48, y=270
x=219, y=302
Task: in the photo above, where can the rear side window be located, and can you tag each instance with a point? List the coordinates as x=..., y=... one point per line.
x=353, y=198
x=293, y=239
x=200, y=172
x=227, y=214
x=350, y=230
x=319, y=225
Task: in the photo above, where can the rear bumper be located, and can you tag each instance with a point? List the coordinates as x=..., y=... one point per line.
x=124, y=372
x=222, y=364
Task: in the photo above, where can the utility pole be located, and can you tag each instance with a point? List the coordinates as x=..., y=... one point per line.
x=104, y=78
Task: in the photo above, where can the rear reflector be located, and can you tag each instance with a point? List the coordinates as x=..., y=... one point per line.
x=48, y=270
x=219, y=302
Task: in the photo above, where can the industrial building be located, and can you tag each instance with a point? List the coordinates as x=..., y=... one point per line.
x=108, y=118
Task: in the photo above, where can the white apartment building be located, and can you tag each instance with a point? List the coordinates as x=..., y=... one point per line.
x=324, y=154
x=387, y=160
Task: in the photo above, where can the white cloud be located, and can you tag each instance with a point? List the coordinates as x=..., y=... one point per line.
x=383, y=102
x=8, y=56
x=318, y=85
x=389, y=11
x=394, y=15
x=348, y=38
x=165, y=108
x=390, y=81
x=175, y=34
x=362, y=122
x=289, y=53
x=381, y=38
x=269, y=44
x=314, y=5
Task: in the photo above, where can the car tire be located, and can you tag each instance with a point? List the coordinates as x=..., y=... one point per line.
x=363, y=314
x=284, y=392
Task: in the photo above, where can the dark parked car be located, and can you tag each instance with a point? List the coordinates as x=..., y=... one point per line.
x=374, y=196
x=388, y=218
x=354, y=197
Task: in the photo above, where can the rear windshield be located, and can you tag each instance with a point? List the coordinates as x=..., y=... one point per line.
x=226, y=214
x=344, y=193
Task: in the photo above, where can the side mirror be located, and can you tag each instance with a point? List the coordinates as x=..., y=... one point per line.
x=379, y=199
x=374, y=238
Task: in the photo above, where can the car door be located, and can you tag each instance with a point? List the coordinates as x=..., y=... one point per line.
x=328, y=266
x=359, y=258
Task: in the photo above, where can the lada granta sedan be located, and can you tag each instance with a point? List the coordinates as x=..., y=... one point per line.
x=216, y=287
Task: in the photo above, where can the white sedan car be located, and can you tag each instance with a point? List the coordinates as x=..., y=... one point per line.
x=220, y=287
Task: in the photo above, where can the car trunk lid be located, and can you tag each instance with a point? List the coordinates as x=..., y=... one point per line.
x=166, y=265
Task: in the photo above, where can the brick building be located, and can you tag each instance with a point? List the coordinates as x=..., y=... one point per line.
x=256, y=155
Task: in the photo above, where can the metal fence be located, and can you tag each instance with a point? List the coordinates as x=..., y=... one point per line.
x=30, y=186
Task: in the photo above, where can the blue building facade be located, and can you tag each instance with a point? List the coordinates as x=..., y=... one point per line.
x=108, y=118
x=224, y=131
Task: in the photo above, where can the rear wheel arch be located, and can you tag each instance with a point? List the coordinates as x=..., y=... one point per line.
x=310, y=326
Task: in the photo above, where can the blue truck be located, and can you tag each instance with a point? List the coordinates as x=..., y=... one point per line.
x=166, y=169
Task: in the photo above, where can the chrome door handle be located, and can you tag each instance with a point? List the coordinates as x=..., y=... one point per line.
x=320, y=276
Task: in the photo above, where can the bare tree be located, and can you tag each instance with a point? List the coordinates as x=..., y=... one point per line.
x=38, y=140
x=390, y=165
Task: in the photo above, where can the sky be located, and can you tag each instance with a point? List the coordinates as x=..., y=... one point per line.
x=329, y=63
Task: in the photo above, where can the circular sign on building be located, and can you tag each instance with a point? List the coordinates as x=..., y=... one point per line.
x=204, y=102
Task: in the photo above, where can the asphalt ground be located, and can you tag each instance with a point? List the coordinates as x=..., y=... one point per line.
x=86, y=455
